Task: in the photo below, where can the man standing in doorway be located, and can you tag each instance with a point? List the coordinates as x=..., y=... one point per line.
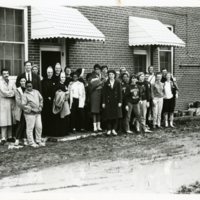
x=29, y=76
x=58, y=70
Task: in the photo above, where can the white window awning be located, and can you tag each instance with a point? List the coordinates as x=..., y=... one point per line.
x=62, y=22
x=143, y=31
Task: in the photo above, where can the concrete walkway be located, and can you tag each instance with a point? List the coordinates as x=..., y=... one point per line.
x=107, y=176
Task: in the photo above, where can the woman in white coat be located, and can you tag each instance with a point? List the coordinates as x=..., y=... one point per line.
x=6, y=106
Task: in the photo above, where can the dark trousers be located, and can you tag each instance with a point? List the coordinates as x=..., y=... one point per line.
x=77, y=115
x=21, y=128
x=112, y=124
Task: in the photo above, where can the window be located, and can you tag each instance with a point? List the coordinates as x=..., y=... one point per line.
x=12, y=40
x=165, y=56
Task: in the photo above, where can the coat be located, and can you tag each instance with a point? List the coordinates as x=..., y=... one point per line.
x=95, y=86
x=60, y=104
x=111, y=98
x=7, y=103
x=35, y=81
x=18, y=104
x=81, y=94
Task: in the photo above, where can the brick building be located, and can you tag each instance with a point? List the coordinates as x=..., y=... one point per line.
x=103, y=35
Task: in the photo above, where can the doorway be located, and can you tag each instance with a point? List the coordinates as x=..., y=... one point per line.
x=141, y=59
x=49, y=58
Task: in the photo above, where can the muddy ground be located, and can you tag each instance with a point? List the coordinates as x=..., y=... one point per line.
x=182, y=141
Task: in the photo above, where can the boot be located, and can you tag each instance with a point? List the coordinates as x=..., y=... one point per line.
x=95, y=127
x=166, y=123
x=171, y=121
x=166, y=120
x=99, y=126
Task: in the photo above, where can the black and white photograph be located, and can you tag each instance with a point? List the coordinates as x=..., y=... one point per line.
x=99, y=97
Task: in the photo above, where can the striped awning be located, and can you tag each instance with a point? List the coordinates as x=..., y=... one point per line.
x=143, y=31
x=62, y=22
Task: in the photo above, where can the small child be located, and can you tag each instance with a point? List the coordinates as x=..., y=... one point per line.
x=32, y=103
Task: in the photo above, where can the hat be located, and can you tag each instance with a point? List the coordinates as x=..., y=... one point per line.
x=112, y=71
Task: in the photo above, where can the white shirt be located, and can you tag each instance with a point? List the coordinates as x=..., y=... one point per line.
x=30, y=75
x=112, y=83
x=168, y=90
x=152, y=79
x=75, y=88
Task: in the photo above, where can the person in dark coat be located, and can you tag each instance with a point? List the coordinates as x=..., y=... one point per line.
x=61, y=125
x=95, y=85
x=124, y=84
x=29, y=76
x=48, y=87
x=68, y=73
x=57, y=71
x=112, y=102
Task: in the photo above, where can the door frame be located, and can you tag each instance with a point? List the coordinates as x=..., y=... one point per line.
x=55, y=48
x=143, y=51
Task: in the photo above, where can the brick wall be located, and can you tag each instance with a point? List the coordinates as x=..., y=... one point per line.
x=115, y=51
x=33, y=45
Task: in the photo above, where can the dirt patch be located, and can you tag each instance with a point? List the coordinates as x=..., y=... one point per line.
x=159, y=145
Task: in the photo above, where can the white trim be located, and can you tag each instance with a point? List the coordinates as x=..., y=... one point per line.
x=50, y=48
x=59, y=48
x=171, y=50
x=25, y=33
x=25, y=27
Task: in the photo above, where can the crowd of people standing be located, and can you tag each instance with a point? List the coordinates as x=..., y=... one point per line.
x=65, y=102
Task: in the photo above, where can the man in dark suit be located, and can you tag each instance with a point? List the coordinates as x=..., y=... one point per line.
x=29, y=76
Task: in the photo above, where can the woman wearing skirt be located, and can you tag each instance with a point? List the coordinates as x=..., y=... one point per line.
x=170, y=95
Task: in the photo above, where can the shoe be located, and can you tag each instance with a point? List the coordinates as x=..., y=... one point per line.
x=147, y=131
x=172, y=126
x=16, y=142
x=129, y=132
x=99, y=129
x=114, y=132
x=166, y=124
x=3, y=142
x=25, y=142
x=41, y=144
x=108, y=133
x=34, y=145
x=160, y=127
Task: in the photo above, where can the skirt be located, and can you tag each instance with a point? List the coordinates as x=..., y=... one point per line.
x=169, y=105
x=95, y=100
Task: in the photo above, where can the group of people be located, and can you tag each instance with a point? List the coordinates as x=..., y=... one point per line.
x=65, y=101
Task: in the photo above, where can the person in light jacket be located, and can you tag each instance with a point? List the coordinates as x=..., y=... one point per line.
x=6, y=107
x=112, y=102
x=32, y=103
x=19, y=114
x=157, y=96
x=77, y=103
